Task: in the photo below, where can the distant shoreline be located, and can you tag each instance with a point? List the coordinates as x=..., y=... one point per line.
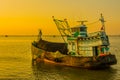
x=44, y=35
x=29, y=35
x=114, y=35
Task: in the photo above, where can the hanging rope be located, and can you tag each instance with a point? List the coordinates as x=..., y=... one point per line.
x=93, y=22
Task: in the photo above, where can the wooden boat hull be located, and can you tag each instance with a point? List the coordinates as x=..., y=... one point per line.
x=39, y=55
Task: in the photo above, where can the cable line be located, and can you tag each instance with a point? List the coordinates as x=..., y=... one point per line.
x=93, y=22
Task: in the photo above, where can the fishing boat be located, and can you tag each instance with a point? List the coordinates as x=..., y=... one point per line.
x=79, y=49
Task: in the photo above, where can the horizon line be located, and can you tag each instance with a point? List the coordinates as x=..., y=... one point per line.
x=42, y=35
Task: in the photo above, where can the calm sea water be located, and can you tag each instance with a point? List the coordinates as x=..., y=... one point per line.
x=15, y=63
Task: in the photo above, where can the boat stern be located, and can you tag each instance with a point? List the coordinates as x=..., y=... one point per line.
x=107, y=59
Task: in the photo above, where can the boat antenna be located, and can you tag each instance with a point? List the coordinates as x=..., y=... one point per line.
x=82, y=22
x=103, y=22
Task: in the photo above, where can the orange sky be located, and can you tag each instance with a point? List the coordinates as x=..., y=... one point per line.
x=21, y=17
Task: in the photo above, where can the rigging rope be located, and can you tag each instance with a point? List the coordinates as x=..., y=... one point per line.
x=93, y=22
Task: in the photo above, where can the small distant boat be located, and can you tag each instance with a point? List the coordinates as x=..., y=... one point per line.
x=6, y=35
x=80, y=49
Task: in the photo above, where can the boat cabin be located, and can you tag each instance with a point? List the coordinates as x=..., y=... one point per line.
x=83, y=44
x=80, y=31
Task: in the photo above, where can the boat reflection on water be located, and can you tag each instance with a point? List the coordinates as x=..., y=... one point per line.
x=47, y=71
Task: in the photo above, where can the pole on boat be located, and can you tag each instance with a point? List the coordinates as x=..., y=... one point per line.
x=103, y=22
x=40, y=35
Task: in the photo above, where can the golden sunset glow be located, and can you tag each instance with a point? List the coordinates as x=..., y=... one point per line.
x=25, y=17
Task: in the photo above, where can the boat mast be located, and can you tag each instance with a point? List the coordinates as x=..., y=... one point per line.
x=103, y=22
x=40, y=35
